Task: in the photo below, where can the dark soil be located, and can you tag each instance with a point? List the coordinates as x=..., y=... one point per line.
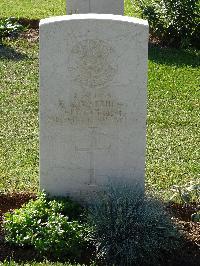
x=32, y=35
x=31, y=23
x=189, y=253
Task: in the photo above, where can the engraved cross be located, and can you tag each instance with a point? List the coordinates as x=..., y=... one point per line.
x=93, y=147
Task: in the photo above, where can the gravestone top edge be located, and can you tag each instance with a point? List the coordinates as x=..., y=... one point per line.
x=94, y=16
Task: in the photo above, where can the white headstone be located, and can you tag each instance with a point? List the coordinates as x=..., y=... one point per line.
x=95, y=6
x=93, y=78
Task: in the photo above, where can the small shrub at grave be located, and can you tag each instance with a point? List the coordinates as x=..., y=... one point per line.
x=9, y=28
x=174, y=22
x=48, y=226
x=130, y=228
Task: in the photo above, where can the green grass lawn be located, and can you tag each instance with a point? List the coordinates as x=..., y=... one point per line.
x=43, y=8
x=19, y=116
x=173, y=117
x=173, y=139
x=32, y=9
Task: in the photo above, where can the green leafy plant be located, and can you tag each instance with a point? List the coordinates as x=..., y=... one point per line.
x=48, y=226
x=130, y=228
x=9, y=27
x=173, y=21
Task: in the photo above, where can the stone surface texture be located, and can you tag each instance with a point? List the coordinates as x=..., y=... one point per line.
x=93, y=79
x=95, y=6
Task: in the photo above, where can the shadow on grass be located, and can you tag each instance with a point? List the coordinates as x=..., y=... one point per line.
x=174, y=57
x=7, y=52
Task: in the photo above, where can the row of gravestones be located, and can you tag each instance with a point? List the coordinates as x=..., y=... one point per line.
x=93, y=74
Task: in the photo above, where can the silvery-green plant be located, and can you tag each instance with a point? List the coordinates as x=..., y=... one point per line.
x=130, y=228
x=187, y=193
x=9, y=27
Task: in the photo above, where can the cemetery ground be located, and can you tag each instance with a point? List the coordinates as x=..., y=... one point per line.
x=172, y=131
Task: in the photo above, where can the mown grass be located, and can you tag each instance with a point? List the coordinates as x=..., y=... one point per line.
x=32, y=9
x=173, y=150
x=19, y=116
x=43, y=8
x=173, y=117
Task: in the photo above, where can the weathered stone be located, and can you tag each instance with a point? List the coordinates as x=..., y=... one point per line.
x=93, y=73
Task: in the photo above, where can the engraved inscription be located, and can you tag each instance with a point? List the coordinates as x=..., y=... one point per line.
x=90, y=110
x=92, y=64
